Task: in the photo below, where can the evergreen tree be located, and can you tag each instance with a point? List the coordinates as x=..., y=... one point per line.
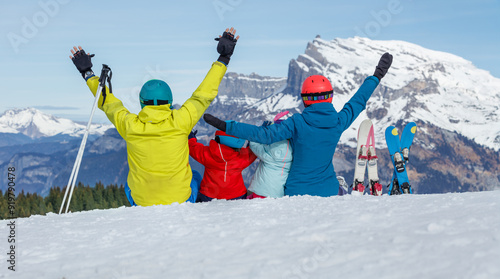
x=3, y=206
x=84, y=198
x=49, y=207
x=88, y=199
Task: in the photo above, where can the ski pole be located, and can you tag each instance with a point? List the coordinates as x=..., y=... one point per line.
x=76, y=167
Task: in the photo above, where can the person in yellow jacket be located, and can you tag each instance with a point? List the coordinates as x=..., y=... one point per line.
x=157, y=137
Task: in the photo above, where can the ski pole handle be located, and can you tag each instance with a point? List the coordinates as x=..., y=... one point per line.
x=104, y=74
x=102, y=81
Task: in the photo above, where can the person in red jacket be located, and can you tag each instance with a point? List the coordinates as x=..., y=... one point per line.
x=224, y=160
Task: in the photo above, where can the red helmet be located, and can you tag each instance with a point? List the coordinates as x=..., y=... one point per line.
x=316, y=89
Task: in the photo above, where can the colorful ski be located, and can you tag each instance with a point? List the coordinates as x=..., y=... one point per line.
x=399, y=151
x=407, y=139
x=358, y=186
x=373, y=180
x=366, y=157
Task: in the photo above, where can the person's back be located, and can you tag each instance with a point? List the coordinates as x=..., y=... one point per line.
x=157, y=138
x=273, y=169
x=224, y=160
x=274, y=165
x=318, y=130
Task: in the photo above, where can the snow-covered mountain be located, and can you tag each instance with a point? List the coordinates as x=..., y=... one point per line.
x=410, y=236
x=431, y=86
x=43, y=148
x=36, y=124
x=422, y=85
x=455, y=105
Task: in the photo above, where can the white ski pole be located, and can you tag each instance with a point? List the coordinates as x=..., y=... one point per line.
x=76, y=167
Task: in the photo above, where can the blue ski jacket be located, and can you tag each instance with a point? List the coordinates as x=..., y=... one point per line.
x=314, y=136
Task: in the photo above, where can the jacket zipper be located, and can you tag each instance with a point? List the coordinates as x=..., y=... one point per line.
x=225, y=168
x=283, y=168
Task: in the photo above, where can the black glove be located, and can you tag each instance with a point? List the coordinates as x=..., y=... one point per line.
x=226, y=47
x=383, y=65
x=193, y=134
x=214, y=121
x=267, y=123
x=82, y=61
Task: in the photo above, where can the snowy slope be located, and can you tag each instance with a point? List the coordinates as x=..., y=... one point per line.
x=36, y=124
x=411, y=236
x=422, y=84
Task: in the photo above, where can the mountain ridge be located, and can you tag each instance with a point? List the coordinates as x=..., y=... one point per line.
x=36, y=124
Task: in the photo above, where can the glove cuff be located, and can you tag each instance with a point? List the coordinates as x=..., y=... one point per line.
x=378, y=73
x=223, y=59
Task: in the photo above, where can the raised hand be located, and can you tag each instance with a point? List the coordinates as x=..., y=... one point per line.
x=226, y=45
x=383, y=66
x=81, y=60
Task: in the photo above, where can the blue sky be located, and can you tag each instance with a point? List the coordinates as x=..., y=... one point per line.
x=173, y=41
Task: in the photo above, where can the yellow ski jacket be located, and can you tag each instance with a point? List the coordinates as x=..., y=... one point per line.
x=157, y=141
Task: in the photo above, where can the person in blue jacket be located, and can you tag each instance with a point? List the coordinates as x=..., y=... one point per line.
x=272, y=172
x=314, y=134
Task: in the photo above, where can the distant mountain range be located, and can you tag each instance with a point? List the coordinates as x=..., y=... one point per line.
x=35, y=124
x=455, y=105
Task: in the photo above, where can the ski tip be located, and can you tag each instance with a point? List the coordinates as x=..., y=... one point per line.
x=412, y=126
x=389, y=130
x=367, y=122
x=366, y=125
x=394, y=132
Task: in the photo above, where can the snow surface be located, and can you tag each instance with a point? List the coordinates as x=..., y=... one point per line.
x=35, y=124
x=410, y=236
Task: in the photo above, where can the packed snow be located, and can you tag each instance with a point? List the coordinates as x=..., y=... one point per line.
x=409, y=236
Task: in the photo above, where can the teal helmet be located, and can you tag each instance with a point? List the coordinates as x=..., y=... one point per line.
x=154, y=93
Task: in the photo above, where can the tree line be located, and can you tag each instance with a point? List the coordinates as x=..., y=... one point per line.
x=84, y=198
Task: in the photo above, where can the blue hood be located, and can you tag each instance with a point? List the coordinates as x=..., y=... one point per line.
x=321, y=115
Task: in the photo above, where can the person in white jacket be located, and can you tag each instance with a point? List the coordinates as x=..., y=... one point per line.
x=272, y=172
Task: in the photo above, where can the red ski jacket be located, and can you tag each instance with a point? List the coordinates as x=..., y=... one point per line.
x=223, y=166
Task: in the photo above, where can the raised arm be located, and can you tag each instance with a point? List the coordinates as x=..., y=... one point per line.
x=112, y=106
x=357, y=103
x=192, y=110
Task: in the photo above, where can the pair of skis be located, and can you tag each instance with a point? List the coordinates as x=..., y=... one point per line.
x=399, y=149
x=366, y=158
